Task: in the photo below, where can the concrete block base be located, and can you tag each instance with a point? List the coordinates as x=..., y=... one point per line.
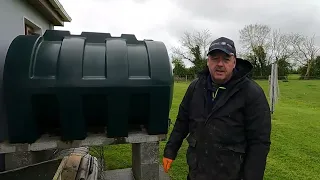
x=145, y=161
x=23, y=159
x=126, y=174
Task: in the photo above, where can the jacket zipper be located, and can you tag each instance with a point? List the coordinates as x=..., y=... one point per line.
x=217, y=106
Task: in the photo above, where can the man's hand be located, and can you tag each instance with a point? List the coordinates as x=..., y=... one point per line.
x=166, y=164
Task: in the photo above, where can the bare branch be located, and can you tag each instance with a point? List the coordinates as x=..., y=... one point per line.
x=189, y=41
x=304, y=47
x=181, y=54
x=255, y=40
x=305, y=50
x=280, y=46
x=254, y=35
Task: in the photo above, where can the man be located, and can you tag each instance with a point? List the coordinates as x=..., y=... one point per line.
x=227, y=119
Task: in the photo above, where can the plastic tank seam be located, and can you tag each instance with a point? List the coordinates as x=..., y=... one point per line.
x=82, y=59
x=33, y=57
x=58, y=60
x=148, y=55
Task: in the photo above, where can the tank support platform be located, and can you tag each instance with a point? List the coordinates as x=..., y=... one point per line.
x=145, y=153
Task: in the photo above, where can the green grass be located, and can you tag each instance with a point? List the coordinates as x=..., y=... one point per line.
x=295, y=149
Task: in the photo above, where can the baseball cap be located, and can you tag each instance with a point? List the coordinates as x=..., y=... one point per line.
x=224, y=44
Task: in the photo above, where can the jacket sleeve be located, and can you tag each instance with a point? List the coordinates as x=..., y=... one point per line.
x=258, y=130
x=181, y=127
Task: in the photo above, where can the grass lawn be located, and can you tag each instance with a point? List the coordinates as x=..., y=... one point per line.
x=295, y=149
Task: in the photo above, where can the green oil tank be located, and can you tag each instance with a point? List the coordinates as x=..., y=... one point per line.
x=69, y=85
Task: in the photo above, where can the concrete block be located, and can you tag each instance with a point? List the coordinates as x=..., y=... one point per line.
x=22, y=159
x=145, y=161
x=146, y=153
x=126, y=174
x=40, y=171
x=147, y=171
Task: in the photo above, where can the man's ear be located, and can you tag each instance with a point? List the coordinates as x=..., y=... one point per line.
x=235, y=61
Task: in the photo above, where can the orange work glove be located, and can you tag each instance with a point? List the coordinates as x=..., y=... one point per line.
x=166, y=164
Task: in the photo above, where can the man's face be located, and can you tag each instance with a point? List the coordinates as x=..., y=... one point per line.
x=221, y=66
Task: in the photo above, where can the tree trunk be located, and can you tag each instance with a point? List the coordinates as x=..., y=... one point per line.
x=261, y=68
x=307, y=75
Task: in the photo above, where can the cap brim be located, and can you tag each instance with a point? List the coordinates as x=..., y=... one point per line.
x=220, y=49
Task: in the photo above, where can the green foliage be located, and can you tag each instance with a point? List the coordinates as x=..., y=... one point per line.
x=180, y=70
x=260, y=56
x=284, y=67
x=262, y=68
x=258, y=59
x=179, y=67
x=199, y=62
x=293, y=70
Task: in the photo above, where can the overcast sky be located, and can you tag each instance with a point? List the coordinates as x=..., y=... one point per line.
x=166, y=20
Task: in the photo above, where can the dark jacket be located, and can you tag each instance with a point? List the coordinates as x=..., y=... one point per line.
x=229, y=137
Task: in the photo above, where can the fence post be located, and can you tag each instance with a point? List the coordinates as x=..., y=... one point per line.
x=273, y=86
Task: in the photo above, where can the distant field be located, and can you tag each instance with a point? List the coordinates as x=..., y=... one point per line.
x=295, y=149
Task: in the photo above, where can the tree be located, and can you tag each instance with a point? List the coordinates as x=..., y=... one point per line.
x=254, y=35
x=284, y=67
x=266, y=46
x=280, y=46
x=179, y=67
x=194, y=47
x=199, y=61
x=281, y=51
x=258, y=60
x=315, y=68
x=255, y=40
x=305, y=51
